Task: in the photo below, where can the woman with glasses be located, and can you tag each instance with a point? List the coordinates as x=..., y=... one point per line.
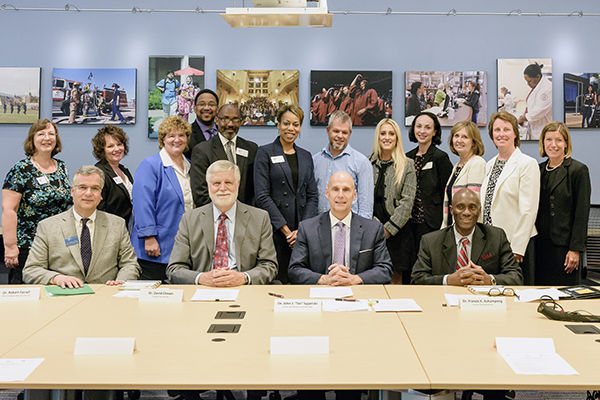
x=35, y=188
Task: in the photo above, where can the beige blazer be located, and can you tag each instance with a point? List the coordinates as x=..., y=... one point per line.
x=516, y=199
x=195, y=245
x=54, y=251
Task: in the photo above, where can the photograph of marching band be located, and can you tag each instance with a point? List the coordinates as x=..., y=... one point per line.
x=366, y=96
x=173, y=82
x=581, y=99
x=525, y=90
x=258, y=93
x=93, y=95
x=452, y=96
x=19, y=95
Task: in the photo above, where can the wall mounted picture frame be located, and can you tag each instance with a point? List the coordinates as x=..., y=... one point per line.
x=19, y=95
x=364, y=95
x=94, y=96
x=581, y=93
x=259, y=93
x=451, y=95
x=529, y=98
x=173, y=82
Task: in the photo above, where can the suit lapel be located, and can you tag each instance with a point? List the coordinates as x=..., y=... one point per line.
x=449, y=251
x=100, y=233
x=285, y=167
x=172, y=177
x=241, y=161
x=207, y=224
x=112, y=175
x=68, y=230
x=239, y=233
x=477, y=245
x=325, y=239
x=511, y=164
x=356, y=233
x=218, y=149
x=561, y=174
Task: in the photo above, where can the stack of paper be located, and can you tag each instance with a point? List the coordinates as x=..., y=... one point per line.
x=533, y=356
x=215, y=295
x=330, y=292
x=340, y=305
x=526, y=295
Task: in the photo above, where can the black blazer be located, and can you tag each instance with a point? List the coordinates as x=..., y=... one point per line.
x=274, y=186
x=432, y=182
x=207, y=152
x=115, y=198
x=196, y=137
x=567, y=209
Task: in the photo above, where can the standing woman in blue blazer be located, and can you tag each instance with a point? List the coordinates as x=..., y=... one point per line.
x=285, y=185
x=161, y=194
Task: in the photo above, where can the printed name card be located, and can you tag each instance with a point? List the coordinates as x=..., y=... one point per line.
x=86, y=346
x=482, y=303
x=20, y=294
x=300, y=345
x=297, y=305
x=162, y=295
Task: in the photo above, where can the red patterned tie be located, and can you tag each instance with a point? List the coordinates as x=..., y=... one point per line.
x=221, y=259
x=462, y=260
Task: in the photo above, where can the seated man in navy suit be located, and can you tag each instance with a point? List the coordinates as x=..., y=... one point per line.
x=338, y=247
x=466, y=253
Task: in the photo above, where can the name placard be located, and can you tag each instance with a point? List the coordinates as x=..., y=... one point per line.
x=482, y=303
x=297, y=305
x=162, y=295
x=104, y=346
x=300, y=345
x=20, y=294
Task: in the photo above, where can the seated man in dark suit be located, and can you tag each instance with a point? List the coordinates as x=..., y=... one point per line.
x=466, y=253
x=339, y=247
x=224, y=146
x=226, y=242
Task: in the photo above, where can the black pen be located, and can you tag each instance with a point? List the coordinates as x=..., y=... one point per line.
x=276, y=295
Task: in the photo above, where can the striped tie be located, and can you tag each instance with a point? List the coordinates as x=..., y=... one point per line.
x=462, y=260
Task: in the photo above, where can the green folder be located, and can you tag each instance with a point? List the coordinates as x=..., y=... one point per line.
x=58, y=291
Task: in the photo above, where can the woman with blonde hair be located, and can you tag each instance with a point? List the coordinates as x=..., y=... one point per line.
x=469, y=171
x=395, y=187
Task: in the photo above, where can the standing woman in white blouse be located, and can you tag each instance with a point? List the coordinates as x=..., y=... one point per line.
x=510, y=191
x=161, y=194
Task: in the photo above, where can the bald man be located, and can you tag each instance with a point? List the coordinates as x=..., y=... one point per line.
x=339, y=247
x=467, y=252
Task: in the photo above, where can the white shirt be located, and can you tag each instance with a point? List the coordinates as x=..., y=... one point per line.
x=183, y=177
x=224, y=141
x=457, y=237
x=91, y=224
x=334, y=229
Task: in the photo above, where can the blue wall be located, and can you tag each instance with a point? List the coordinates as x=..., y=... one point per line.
x=397, y=43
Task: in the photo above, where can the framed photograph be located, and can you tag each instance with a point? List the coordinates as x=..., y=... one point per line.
x=451, y=95
x=581, y=99
x=173, y=82
x=364, y=95
x=259, y=93
x=93, y=95
x=19, y=95
x=525, y=90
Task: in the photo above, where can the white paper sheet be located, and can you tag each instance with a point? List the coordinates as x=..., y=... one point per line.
x=131, y=294
x=330, y=292
x=300, y=345
x=452, y=299
x=527, y=295
x=397, y=305
x=17, y=369
x=215, y=295
x=533, y=356
x=340, y=306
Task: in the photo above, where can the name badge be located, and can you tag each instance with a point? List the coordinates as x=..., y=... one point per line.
x=70, y=241
x=429, y=165
x=118, y=180
x=241, y=152
x=161, y=295
x=20, y=294
x=277, y=159
x=42, y=180
x=297, y=305
x=482, y=303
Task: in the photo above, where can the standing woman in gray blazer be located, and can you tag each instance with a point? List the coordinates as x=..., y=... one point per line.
x=284, y=184
x=395, y=187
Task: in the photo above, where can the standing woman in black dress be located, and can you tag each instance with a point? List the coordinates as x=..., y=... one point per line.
x=433, y=168
x=562, y=218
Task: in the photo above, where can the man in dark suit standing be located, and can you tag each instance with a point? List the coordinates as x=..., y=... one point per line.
x=339, y=247
x=225, y=146
x=204, y=128
x=466, y=253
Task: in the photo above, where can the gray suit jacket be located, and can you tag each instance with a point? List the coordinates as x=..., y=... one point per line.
x=113, y=257
x=194, y=245
x=490, y=250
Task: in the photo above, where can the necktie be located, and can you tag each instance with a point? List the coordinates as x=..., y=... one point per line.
x=228, y=147
x=86, y=245
x=212, y=132
x=462, y=260
x=221, y=258
x=339, y=245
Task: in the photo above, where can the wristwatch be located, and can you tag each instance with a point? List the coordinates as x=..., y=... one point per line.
x=493, y=280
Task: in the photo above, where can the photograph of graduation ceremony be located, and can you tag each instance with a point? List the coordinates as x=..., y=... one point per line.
x=581, y=99
x=19, y=95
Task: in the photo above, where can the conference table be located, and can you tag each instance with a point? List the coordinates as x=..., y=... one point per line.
x=440, y=348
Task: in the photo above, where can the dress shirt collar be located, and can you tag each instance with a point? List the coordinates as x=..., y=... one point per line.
x=346, y=220
x=168, y=162
x=225, y=140
x=347, y=150
x=458, y=236
x=78, y=217
x=230, y=213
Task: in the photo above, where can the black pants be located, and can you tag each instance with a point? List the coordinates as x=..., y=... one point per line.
x=284, y=252
x=320, y=394
x=15, y=275
x=152, y=271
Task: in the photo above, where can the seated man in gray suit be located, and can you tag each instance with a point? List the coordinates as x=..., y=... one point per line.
x=467, y=252
x=82, y=244
x=225, y=242
x=339, y=247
